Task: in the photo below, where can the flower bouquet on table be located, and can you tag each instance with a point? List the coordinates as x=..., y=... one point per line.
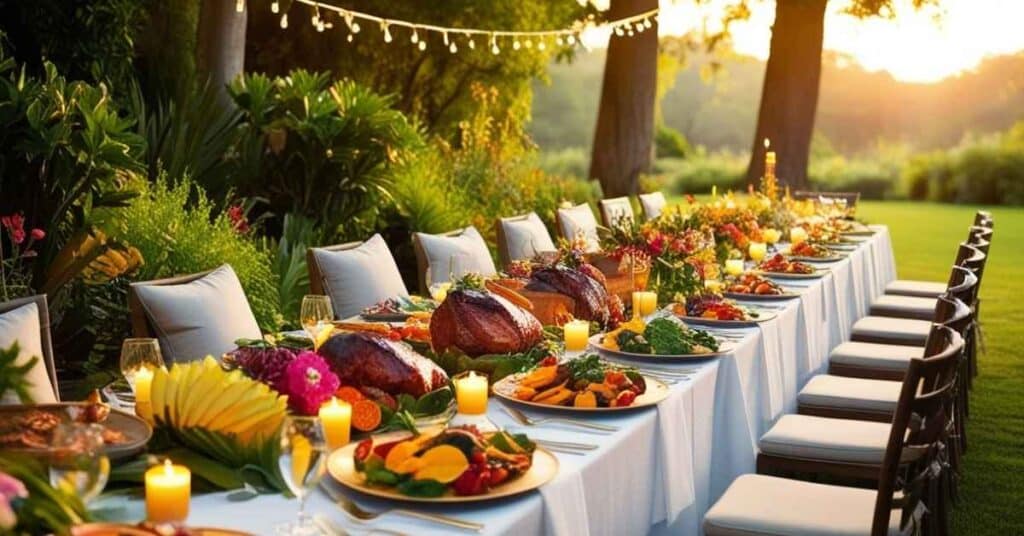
x=733, y=223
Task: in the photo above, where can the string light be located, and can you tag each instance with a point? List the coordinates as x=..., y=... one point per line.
x=518, y=39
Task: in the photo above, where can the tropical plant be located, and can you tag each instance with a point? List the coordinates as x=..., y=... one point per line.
x=38, y=507
x=13, y=377
x=324, y=151
x=288, y=262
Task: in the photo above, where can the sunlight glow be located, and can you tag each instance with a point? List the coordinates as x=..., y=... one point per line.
x=918, y=46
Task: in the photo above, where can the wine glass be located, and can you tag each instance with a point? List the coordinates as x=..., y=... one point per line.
x=316, y=316
x=77, y=463
x=303, y=455
x=138, y=354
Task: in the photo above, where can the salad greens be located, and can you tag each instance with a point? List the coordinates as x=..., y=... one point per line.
x=666, y=337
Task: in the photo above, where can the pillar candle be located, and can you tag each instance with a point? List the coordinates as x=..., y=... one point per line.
x=336, y=418
x=168, y=491
x=576, y=334
x=471, y=394
x=757, y=251
x=645, y=302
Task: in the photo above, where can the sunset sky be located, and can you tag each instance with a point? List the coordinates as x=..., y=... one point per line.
x=917, y=46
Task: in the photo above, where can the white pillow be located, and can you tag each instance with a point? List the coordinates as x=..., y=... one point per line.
x=359, y=277
x=458, y=255
x=653, y=204
x=579, y=221
x=204, y=317
x=526, y=237
x=23, y=325
x=616, y=209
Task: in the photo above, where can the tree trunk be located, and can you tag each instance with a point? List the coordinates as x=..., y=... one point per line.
x=790, y=94
x=623, y=139
x=220, y=43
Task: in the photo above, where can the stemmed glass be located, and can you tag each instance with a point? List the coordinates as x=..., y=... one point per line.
x=316, y=315
x=303, y=455
x=139, y=354
x=77, y=463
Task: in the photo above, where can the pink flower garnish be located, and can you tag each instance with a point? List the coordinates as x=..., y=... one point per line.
x=308, y=382
x=38, y=234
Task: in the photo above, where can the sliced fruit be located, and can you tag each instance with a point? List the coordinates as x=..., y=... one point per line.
x=398, y=454
x=443, y=463
x=366, y=415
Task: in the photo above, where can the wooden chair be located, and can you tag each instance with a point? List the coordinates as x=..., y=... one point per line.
x=976, y=236
x=615, y=209
x=984, y=218
x=851, y=198
x=141, y=325
x=45, y=339
x=923, y=308
x=762, y=504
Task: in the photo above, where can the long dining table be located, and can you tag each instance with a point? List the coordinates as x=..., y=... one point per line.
x=663, y=468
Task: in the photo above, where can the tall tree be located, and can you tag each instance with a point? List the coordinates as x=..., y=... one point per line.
x=789, y=97
x=623, y=138
x=220, y=43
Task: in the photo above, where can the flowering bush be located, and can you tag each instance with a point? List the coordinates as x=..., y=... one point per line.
x=733, y=223
x=14, y=274
x=308, y=382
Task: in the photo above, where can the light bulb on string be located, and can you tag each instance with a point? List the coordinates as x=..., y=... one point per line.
x=618, y=31
x=284, y=21
x=559, y=41
x=570, y=39
x=275, y=7
x=516, y=45
x=350, y=38
x=639, y=26
x=240, y=6
x=471, y=43
x=423, y=45
x=387, y=31
x=541, y=45
x=630, y=32
x=415, y=38
x=528, y=43
x=452, y=48
x=494, y=46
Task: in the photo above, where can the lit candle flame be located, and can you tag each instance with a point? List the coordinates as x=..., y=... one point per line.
x=767, y=143
x=168, y=468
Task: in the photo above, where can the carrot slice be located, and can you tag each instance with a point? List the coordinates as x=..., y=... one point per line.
x=349, y=394
x=365, y=415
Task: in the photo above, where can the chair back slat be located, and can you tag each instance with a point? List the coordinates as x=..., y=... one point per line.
x=920, y=426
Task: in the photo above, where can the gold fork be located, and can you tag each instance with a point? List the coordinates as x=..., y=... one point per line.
x=359, y=514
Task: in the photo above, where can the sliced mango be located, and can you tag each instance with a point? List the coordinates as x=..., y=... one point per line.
x=443, y=463
x=398, y=455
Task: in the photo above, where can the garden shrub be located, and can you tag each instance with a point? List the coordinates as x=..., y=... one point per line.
x=698, y=174
x=670, y=143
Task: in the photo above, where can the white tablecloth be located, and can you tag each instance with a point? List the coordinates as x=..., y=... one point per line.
x=663, y=469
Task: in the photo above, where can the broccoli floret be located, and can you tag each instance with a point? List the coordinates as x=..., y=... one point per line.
x=667, y=338
x=633, y=342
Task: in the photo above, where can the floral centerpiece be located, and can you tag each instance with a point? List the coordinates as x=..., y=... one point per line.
x=733, y=223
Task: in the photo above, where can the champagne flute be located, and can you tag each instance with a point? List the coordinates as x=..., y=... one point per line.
x=303, y=455
x=138, y=354
x=316, y=316
x=78, y=465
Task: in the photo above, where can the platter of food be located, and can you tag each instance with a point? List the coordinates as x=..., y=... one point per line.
x=753, y=287
x=447, y=465
x=779, y=266
x=584, y=384
x=808, y=252
x=29, y=428
x=716, y=311
x=145, y=529
x=398, y=309
x=661, y=339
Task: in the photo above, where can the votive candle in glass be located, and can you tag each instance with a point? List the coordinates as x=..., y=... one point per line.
x=336, y=419
x=143, y=384
x=772, y=236
x=471, y=394
x=734, y=266
x=645, y=302
x=797, y=235
x=757, y=251
x=576, y=334
x=168, y=492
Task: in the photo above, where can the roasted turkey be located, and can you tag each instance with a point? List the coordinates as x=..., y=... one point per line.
x=588, y=293
x=481, y=322
x=370, y=360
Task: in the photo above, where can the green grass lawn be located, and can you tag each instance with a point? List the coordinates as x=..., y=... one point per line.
x=925, y=237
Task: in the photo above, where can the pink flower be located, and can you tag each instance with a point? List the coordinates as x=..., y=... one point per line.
x=15, y=225
x=10, y=488
x=308, y=382
x=38, y=234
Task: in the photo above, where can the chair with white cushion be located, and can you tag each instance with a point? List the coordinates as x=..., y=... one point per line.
x=578, y=222
x=922, y=308
x=522, y=237
x=976, y=235
x=768, y=505
x=615, y=210
x=847, y=397
x=652, y=204
x=194, y=315
x=27, y=322
x=355, y=275
x=453, y=254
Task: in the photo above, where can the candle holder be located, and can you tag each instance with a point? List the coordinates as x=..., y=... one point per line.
x=471, y=391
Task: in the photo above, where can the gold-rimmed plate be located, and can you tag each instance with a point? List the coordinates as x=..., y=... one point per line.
x=136, y=431
x=341, y=467
x=787, y=275
x=656, y=392
x=760, y=297
x=122, y=529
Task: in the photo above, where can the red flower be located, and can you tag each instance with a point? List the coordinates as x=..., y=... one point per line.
x=15, y=225
x=38, y=234
x=238, y=222
x=690, y=199
x=656, y=245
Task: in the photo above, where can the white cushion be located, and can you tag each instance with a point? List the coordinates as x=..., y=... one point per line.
x=22, y=325
x=359, y=277
x=756, y=505
x=653, y=204
x=875, y=355
x=526, y=237
x=828, y=391
x=616, y=209
x=906, y=287
x=455, y=255
x=892, y=330
x=810, y=437
x=904, y=307
x=200, y=318
x=579, y=221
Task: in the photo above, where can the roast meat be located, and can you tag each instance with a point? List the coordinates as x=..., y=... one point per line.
x=369, y=360
x=589, y=294
x=479, y=322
